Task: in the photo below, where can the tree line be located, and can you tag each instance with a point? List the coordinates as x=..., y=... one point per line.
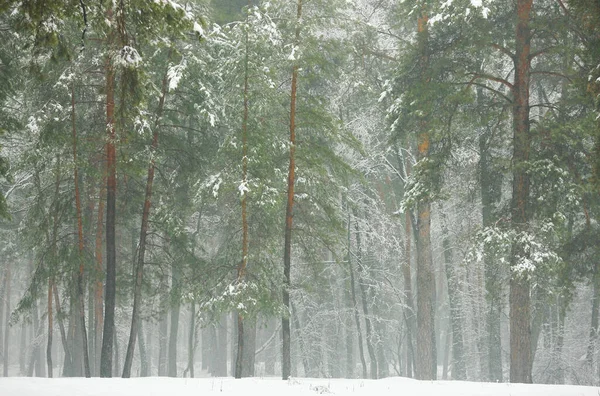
x=301, y=187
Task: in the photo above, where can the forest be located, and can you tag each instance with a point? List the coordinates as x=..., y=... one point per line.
x=301, y=188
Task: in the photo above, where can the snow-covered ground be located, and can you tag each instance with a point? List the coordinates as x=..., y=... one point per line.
x=21, y=386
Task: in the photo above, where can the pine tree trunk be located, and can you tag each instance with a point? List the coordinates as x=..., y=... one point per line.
x=108, y=333
x=286, y=361
x=50, y=323
x=519, y=299
x=139, y=270
x=355, y=308
x=363, y=291
x=80, y=288
x=426, y=360
x=221, y=347
x=458, y=364
x=409, y=311
x=63, y=334
x=7, y=279
x=191, y=340
x=248, y=358
x=303, y=353
x=22, y=348
x=594, y=325
x=98, y=284
x=348, y=326
x=162, y=341
x=144, y=366
x=174, y=327
x=493, y=286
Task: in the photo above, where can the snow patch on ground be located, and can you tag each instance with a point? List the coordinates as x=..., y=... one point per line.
x=154, y=386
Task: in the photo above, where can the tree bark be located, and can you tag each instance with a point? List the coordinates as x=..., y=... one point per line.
x=493, y=286
x=174, y=327
x=363, y=291
x=239, y=366
x=426, y=360
x=192, y=340
x=520, y=300
x=98, y=284
x=286, y=362
x=139, y=271
x=108, y=333
x=50, y=323
x=458, y=364
x=7, y=276
x=80, y=292
x=355, y=307
x=162, y=341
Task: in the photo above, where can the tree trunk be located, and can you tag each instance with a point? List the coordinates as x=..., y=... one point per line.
x=63, y=334
x=248, y=358
x=221, y=347
x=174, y=327
x=239, y=366
x=355, y=307
x=490, y=194
x=519, y=300
x=50, y=323
x=286, y=362
x=144, y=361
x=98, y=284
x=363, y=291
x=23, y=348
x=426, y=360
x=80, y=292
x=108, y=333
x=162, y=342
x=117, y=367
x=7, y=318
x=594, y=325
x=409, y=311
x=139, y=271
x=458, y=364
x=304, y=355
x=192, y=340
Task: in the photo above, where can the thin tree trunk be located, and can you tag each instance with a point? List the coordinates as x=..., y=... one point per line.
x=49, y=346
x=363, y=290
x=23, y=348
x=35, y=334
x=174, y=327
x=139, y=272
x=286, y=361
x=244, y=262
x=519, y=299
x=108, y=333
x=7, y=318
x=63, y=333
x=98, y=284
x=191, y=340
x=355, y=308
x=117, y=367
x=80, y=293
x=594, y=325
x=162, y=342
x=303, y=353
x=409, y=311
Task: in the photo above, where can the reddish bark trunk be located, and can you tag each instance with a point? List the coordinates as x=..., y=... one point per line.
x=519, y=300
x=286, y=363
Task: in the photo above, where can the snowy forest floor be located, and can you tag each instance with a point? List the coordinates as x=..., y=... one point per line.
x=23, y=386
